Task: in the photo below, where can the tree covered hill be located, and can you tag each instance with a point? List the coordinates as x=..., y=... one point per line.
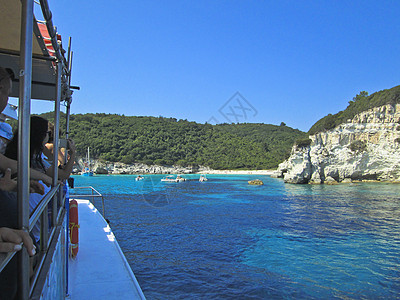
x=168, y=141
x=360, y=103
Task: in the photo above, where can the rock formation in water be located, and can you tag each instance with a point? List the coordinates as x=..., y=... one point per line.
x=367, y=147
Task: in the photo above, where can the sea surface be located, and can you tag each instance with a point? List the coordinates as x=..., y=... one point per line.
x=225, y=239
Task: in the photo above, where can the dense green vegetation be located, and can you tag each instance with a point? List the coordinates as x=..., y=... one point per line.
x=360, y=103
x=301, y=143
x=167, y=141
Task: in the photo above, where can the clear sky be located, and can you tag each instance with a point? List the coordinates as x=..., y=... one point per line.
x=290, y=61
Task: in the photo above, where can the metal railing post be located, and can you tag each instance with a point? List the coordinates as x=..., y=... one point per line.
x=44, y=230
x=94, y=194
x=56, y=140
x=25, y=80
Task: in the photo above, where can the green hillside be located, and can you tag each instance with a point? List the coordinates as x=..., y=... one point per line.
x=167, y=141
x=360, y=103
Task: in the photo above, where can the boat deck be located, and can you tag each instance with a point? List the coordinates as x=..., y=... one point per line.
x=100, y=270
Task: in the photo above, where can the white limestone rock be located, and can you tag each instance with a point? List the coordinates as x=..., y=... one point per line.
x=330, y=153
x=346, y=180
x=315, y=178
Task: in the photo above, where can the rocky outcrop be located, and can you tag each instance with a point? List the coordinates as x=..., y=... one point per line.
x=100, y=167
x=255, y=182
x=367, y=147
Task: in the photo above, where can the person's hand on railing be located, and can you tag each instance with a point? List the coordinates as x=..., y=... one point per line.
x=10, y=185
x=6, y=183
x=47, y=180
x=36, y=187
x=13, y=240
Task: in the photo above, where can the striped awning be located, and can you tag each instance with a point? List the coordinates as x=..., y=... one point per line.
x=43, y=68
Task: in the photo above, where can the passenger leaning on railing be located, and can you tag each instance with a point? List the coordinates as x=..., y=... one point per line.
x=5, y=163
x=8, y=203
x=40, y=134
x=38, y=138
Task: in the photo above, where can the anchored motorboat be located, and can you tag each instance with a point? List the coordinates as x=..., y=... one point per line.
x=172, y=178
x=203, y=178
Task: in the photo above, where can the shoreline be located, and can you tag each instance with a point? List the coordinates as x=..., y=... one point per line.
x=209, y=172
x=238, y=172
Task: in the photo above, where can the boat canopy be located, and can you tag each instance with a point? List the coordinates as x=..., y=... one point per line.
x=44, y=52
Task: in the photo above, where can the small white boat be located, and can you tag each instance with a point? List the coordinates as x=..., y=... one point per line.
x=171, y=178
x=180, y=179
x=203, y=178
x=139, y=178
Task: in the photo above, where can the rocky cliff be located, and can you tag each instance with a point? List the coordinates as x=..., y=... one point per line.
x=120, y=168
x=367, y=147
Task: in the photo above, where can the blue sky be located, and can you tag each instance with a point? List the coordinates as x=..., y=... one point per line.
x=292, y=61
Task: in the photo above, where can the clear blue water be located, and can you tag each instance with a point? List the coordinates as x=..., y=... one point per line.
x=225, y=239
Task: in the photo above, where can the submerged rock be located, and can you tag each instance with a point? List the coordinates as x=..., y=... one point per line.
x=256, y=182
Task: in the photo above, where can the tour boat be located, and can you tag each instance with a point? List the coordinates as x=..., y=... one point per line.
x=34, y=52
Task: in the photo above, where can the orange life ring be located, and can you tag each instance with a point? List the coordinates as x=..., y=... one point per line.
x=73, y=228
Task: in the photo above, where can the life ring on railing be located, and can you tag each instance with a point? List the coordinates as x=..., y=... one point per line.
x=73, y=228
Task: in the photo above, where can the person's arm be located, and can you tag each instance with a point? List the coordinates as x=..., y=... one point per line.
x=61, y=156
x=13, y=240
x=10, y=185
x=66, y=171
x=48, y=151
x=7, y=163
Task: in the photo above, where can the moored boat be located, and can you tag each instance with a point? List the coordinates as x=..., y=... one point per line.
x=87, y=170
x=169, y=178
x=203, y=178
x=172, y=178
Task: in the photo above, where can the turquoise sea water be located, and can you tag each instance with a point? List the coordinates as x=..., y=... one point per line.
x=225, y=239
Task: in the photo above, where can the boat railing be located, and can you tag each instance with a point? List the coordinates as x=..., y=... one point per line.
x=54, y=199
x=94, y=194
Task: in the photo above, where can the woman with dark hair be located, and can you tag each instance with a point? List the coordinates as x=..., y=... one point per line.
x=40, y=135
x=48, y=148
x=9, y=166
